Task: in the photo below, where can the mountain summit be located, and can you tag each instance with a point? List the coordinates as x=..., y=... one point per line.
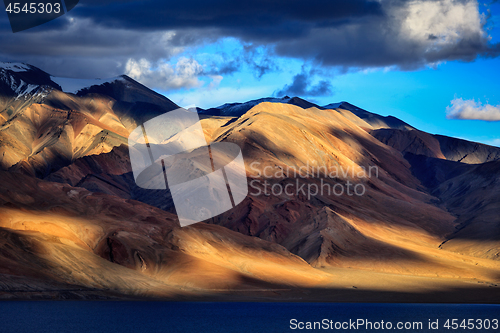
x=47, y=122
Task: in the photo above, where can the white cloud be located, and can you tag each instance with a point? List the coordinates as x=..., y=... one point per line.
x=470, y=109
x=409, y=35
x=442, y=23
x=164, y=76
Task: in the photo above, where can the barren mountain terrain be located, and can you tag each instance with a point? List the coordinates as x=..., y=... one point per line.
x=343, y=204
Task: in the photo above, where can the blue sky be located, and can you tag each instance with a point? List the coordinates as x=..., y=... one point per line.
x=418, y=60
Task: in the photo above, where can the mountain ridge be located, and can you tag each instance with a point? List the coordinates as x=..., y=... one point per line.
x=43, y=128
x=72, y=216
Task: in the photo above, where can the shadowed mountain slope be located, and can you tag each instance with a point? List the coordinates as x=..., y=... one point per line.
x=437, y=146
x=470, y=192
x=396, y=226
x=86, y=242
x=376, y=121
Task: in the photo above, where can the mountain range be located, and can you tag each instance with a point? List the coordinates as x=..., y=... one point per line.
x=74, y=224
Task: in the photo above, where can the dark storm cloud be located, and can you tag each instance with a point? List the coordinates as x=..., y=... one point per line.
x=105, y=34
x=374, y=44
x=83, y=49
x=98, y=38
x=301, y=86
x=348, y=33
x=264, y=19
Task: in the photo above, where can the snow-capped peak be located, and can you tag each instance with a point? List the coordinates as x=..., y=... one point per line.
x=17, y=85
x=15, y=66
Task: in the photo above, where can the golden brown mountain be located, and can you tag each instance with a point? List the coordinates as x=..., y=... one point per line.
x=43, y=128
x=409, y=225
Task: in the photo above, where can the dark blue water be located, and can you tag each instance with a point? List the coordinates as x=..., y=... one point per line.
x=81, y=316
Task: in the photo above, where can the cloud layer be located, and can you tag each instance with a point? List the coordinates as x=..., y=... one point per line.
x=105, y=38
x=470, y=109
x=165, y=76
x=348, y=33
x=409, y=35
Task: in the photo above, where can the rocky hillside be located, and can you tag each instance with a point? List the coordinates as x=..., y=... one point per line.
x=337, y=196
x=437, y=146
x=44, y=126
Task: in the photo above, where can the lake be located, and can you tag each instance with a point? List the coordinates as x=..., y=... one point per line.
x=111, y=316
